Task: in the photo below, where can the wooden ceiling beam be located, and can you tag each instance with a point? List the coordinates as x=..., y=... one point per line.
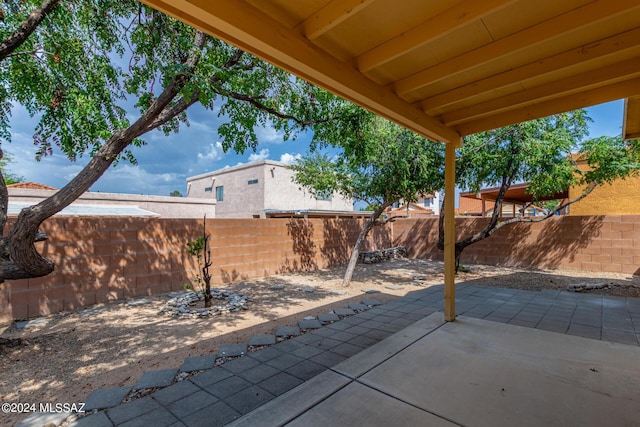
x=589, y=52
x=432, y=29
x=235, y=22
x=555, y=106
x=604, y=76
x=631, y=124
x=522, y=40
x=330, y=16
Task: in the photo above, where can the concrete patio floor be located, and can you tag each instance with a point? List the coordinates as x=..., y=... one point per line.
x=471, y=372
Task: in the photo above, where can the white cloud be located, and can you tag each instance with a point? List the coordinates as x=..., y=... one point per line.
x=262, y=155
x=290, y=158
x=269, y=135
x=213, y=152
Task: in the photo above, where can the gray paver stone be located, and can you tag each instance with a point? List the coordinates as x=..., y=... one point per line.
x=158, y=418
x=249, y=399
x=359, y=307
x=267, y=339
x=280, y=383
x=99, y=419
x=232, y=350
x=152, y=379
x=309, y=324
x=198, y=363
x=328, y=317
x=287, y=331
x=371, y=302
x=193, y=403
x=175, y=392
x=344, y=312
x=217, y=414
x=130, y=410
x=105, y=398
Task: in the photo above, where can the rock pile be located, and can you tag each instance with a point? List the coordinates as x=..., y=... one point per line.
x=585, y=287
x=182, y=305
x=375, y=257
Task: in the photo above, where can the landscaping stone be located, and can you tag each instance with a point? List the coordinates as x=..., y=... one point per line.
x=309, y=324
x=31, y=323
x=328, y=317
x=371, y=291
x=344, y=312
x=232, y=350
x=43, y=419
x=309, y=289
x=153, y=379
x=339, y=292
x=139, y=301
x=276, y=287
x=91, y=311
x=198, y=363
x=105, y=398
x=267, y=339
x=394, y=287
x=287, y=331
x=181, y=305
x=358, y=307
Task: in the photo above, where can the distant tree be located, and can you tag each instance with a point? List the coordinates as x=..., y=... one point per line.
x=63, y=61
x=176, y=193
x=380, y=163
x=9, y=178
x=539, y=153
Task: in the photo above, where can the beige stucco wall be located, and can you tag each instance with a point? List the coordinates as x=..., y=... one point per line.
x=275, y=190
x=165, y=206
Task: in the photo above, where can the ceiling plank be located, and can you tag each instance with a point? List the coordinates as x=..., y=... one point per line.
x=235, y=22
x=606, y=47
x=631, y=124
x=331, y=15
x=583, y=81
x=555, y=106
x=522, y=40
x=434, y=28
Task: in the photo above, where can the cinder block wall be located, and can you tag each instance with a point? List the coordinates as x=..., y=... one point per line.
x=103, y=259
x=592, y=243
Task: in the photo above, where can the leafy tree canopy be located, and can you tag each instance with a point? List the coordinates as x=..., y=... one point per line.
x=76, y=64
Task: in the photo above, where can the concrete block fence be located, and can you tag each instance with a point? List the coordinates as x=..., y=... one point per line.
x=101, y=259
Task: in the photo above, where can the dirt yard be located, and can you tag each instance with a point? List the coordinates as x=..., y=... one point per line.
x=71, y=354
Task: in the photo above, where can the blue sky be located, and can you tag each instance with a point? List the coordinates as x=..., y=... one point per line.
x=166, y=161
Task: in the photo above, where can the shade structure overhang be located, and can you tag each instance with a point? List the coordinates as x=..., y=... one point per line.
x=443, y=68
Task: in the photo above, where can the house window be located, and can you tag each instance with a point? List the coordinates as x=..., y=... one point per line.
x=428, y=202
x=220, y=193
x=323, y=195
x=208, y=189
x=252, y=181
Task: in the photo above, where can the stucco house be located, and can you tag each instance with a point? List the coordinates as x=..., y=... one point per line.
x=252, y=190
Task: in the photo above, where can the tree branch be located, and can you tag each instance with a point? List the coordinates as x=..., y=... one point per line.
x=29, y=25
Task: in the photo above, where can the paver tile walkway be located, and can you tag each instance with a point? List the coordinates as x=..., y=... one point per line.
x=222, y=394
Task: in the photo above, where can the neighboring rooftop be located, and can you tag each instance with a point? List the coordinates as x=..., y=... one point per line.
x=31, y=186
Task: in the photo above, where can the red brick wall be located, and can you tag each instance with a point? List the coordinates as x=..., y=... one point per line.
x=593, y=243
x=102, y=259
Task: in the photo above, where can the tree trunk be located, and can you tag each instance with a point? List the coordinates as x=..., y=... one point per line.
x=361, y=237
x=21, y=260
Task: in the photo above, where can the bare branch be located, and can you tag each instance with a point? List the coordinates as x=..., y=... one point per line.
x=19, y=36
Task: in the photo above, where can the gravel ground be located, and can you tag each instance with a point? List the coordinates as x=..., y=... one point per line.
x=72, y=354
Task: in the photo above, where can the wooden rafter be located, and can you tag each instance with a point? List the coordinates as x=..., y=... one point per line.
x=631, y=126
x=330, y=16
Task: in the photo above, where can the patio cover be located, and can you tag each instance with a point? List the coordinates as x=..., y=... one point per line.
x=443, y=68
